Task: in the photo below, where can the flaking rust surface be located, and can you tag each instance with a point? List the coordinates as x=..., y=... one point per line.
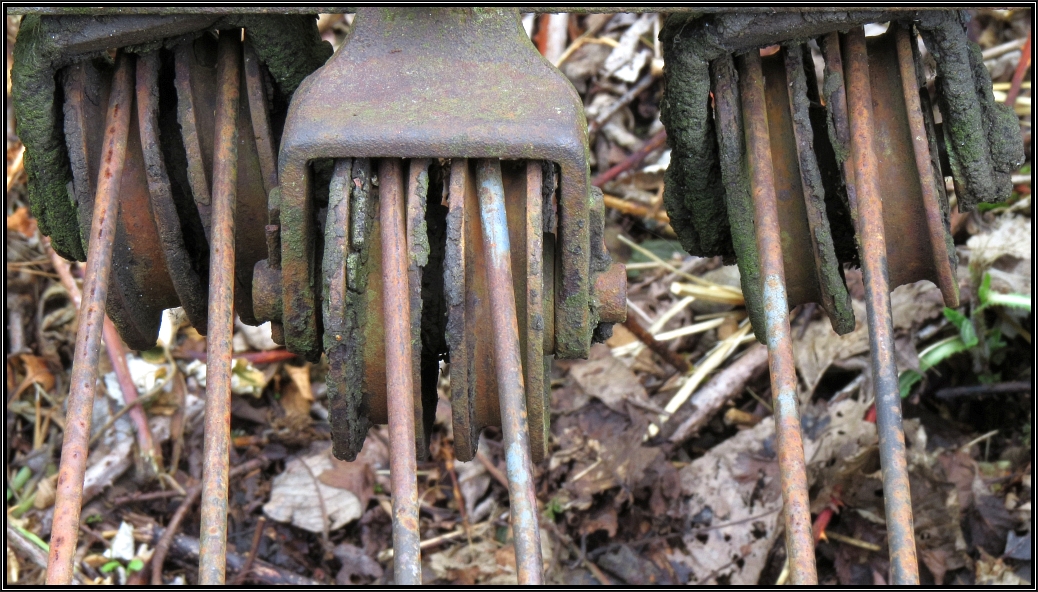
x=39, y=118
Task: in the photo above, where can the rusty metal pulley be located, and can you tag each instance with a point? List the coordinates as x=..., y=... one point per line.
x=450, y=233
x=474, y=237
x=117, y=173
x=813, y=174
x=160, y=257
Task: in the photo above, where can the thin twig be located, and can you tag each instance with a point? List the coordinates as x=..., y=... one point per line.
x=147, y=497
x=64, y=274
x=985, y=389
x=460, y=499
x=586, y=37
x=16, y=167
x=978, y=440
x=621, y=102
x=722, y=388
x=853, y=541
x=672, y=358
x=162, y=547
x=176, y=424
x=145, y=398
x=436, y=540
x=150, y=453
x=31, y=551
x=492, y=469
x=735, y=522
x=1000, y=50
x=581, y=556
x=1021, y=70
x=633, y=209
x=261, y=357
x=710, y=362
x=635, y=159
x=257, y=533
x=697, y=280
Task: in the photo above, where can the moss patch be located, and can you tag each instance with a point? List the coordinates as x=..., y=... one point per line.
x=40, y=126
x=739, y=200
x=694, y=194
x=982, y=137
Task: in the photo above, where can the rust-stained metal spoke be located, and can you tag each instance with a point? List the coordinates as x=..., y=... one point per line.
x=196, y=124
x=74, y=450
x=336, y=251
x=217, y=439
x=832, y=291
x=508, y=364
x=407, y=559
x=536, y=368
x=873, y=249
x=792, y=469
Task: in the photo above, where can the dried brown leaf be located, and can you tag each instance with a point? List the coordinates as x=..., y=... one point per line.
x=36, y=371
x=22, y=222
x=356, y=477
x=296, y=395
x=609, y=381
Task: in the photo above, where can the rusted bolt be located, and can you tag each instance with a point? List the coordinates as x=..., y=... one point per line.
x=266, y=292
x=611, y=294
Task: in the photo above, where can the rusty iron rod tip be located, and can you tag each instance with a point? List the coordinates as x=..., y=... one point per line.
x=75, y=447
x=872, y=247
x=212, y=566
x=407, y=558
x=508, y=364
x=792, y=468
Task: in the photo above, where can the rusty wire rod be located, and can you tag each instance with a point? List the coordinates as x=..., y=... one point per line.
x=212, y=564
x=403, y=467
x=75, y=447
x=868, y=209
x=792, y=468
x=508, y=367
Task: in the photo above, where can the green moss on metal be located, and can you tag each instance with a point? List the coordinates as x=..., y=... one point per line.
x=738, y=197
x=1001, y=125
x=694, y=193
x=982, y=137
x=40, y=126
x=419, y=252
x=832, y=82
